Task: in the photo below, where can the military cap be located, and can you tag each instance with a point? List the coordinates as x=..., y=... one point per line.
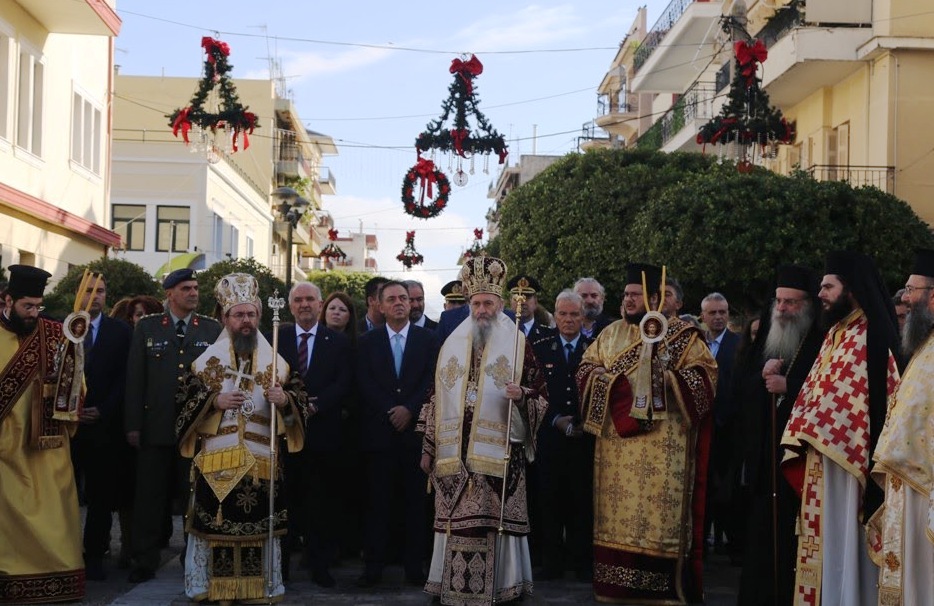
x=453, y=292
x=523, y=284
x=177, y=277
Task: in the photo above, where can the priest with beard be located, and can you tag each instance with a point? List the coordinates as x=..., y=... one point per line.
x=647, y=385
x=227, y=402
x=480, y=426
x=901, y=531
x=766, y=383
x=833, y=429
x=41, y=374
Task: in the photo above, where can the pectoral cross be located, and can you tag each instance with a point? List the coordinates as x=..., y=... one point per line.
x=247, y=408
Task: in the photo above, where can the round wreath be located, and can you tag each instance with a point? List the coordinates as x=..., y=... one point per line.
x=427, y=178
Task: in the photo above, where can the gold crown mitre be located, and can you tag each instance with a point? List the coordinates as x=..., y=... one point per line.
x=483, y=275
x=234, y=289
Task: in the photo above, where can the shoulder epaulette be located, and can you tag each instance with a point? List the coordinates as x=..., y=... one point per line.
x=147, y=316
x=211, y=318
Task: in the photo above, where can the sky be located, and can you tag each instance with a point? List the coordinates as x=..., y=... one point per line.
x=372, y=74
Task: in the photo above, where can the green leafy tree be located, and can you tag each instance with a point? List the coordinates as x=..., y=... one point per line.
x=713, y=227
x=268, y=284
x=350, y=282
x=124, y=279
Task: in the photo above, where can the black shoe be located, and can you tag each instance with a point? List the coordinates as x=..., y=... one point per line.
x=141, y=575
x=94, y=570
x=323, y=578
x=368, y=579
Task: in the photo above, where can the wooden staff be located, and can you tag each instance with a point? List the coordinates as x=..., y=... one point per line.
x=275, y=303
x=520, y=301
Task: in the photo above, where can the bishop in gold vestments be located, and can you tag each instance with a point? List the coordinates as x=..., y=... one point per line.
x=647, y=396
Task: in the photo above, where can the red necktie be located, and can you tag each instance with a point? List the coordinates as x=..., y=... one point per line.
x=303, y=354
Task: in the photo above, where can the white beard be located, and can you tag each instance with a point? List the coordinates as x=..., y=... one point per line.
x=783, y=338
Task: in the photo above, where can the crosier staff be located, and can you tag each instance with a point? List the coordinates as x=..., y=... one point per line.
x=520, y=301
x=275, y=303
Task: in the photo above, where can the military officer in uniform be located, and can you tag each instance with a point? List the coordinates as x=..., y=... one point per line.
x=162, y=351
x=529, y=314
x=564, y=458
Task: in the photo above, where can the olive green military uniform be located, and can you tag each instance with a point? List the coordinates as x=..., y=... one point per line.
x=158, y=360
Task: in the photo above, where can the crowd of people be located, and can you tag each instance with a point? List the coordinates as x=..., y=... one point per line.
x=501, y=443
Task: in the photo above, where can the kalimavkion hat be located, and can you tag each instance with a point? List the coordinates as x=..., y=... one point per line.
x=27, y=281
x=924, y=262
x=797, y=277
x=653, y=275
x=177, y=277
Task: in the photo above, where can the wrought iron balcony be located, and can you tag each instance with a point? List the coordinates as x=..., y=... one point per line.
x=695, y=104
x=655, y=36
x=880, y=177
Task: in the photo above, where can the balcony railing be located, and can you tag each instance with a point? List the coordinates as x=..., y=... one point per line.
x=655, y=36
x=695, y=104
x=590, y=131
x=626, y=103
x=880, y=177
x=780, y=24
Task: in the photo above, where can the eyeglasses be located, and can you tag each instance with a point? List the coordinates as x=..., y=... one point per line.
x=28, y=307
x=244, y=315
x=787, y=302
x=631, y=295
x=910, y=289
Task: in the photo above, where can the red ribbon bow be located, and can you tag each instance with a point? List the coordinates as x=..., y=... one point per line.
x=249, y=119
x=332, y=234
x=749, y=56
x=182, y=123
x=212, y=47
x=467, y=70
x=425, y=169
x=410, y=237
x=478, y=233
x=459, y=135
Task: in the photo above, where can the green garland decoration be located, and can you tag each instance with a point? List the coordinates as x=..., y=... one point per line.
x=409, y=256
x=462, y=100
x=231, y=114
x=428, y=178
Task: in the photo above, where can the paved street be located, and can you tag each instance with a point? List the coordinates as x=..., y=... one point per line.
x=167, y=589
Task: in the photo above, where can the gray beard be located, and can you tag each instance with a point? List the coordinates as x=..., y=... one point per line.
x=244, y=345
x=917, y=329
x=783, y=339
x=592, y=312
x=481, y=333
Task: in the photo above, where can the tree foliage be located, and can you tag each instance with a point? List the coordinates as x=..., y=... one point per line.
x=123, y=278
x=714, y=228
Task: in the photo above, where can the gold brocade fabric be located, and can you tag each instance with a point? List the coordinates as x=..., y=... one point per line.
x=904, y=465
x=40, y=527
x=643, y=483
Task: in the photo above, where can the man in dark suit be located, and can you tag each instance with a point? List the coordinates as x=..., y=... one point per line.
x=322, y=357
x=161, y=352
x=593, y=296
x=417, y=305
x=715, y=314
x=397, y=363
x=100, y=441
x=528, y=286
x=373, y=317
x=564, y=458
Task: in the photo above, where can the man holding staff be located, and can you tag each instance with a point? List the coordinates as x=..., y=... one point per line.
x=480, y=425
x=226, y=424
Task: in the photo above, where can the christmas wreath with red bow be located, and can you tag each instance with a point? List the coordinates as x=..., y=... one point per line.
x=332, y=250
x=409, y=256
x=231, y=114
x=428, y=179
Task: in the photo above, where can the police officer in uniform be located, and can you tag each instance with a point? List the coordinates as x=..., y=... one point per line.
x=530, y=315
x=163, y=349
x=564, y=459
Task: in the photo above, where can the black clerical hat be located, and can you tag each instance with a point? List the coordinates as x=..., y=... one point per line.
x=523, y=284
x=924, y=262
x=27, y=281
x=797, y=277
x=177, y=277
x=653, y=275
x=847, y=264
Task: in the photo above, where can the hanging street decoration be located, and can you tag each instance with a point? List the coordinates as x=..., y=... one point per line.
x=229, y=118
x=747, y=120
x=476, y=249
x=424, y=180
x=409, y=256
x=332, y=251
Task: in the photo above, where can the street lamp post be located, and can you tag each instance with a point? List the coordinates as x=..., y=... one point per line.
x=290, y=208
